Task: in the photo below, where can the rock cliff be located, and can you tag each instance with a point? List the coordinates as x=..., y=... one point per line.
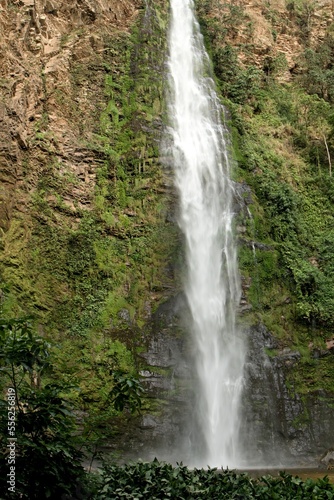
x=89, y=244
x=52, y=92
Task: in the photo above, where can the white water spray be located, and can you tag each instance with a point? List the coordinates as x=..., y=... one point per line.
x=212, y=285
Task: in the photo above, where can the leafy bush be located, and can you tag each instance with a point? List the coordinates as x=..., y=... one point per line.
x=237, y=84
x=47, y=461
x=157, y=480
x=127, y=392
x=317, y=77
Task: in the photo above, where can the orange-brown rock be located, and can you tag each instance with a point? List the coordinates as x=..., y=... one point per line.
x=48, y=102
x=271, y=28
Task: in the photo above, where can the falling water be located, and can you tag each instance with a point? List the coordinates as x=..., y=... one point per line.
x=200, y=157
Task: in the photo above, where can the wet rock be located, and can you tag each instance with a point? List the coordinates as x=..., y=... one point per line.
x=255, y=244
x=242, y=198
x=124, y=315
x=163, y=351
x=169, y=312
x=245, y=308
x=327, y=460
x=161, y=433
x=148, y=422
x=279, y=426
x=156, y=384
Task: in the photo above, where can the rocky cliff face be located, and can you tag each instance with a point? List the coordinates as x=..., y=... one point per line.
x=281, y=427
x=89, y=243
x=52, y=92
x=262, y=29
x=72, y=138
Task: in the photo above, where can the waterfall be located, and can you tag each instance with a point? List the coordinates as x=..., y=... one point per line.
x=202, y=177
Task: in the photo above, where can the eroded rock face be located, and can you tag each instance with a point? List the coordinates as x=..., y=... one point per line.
x=48, y=105
x=281, y=428
x=163, y=429
x=274, y=28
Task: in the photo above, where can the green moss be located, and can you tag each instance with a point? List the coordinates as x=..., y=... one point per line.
x=313, y=375
x=272, y=353
x=303, y=420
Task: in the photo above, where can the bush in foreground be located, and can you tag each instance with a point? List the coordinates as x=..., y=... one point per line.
x=157, y=480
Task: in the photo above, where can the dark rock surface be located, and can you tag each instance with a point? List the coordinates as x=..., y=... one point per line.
x=327, y=460
x=281, y=427
x=163, y=427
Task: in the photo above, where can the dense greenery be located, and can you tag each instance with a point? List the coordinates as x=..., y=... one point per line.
x=47, y=461
x=50, y=444
x=161, y=481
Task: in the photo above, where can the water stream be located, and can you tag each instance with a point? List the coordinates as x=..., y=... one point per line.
x=212, y=285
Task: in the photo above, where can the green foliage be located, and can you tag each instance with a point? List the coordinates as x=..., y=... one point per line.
x=236, y=83
x=231, y=18
x=302, y=11
x=313, y=278
x=94, y=364
x=157, y=480
x=21, y=351
x=48, y=458
x=127, y=392
x=239, y=85
x=293, y=199
x=47, y=461
x=274, y=66
x=318, y=73
x=313, y=375
x=281, y=204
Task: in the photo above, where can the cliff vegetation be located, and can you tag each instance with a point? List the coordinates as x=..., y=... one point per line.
x=89, y=244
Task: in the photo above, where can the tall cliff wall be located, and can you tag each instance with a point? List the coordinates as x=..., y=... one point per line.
x=87, y=240
x=81, y=118
x=89, y=244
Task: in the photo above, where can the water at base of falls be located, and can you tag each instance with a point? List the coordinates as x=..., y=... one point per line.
x=202, y=177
